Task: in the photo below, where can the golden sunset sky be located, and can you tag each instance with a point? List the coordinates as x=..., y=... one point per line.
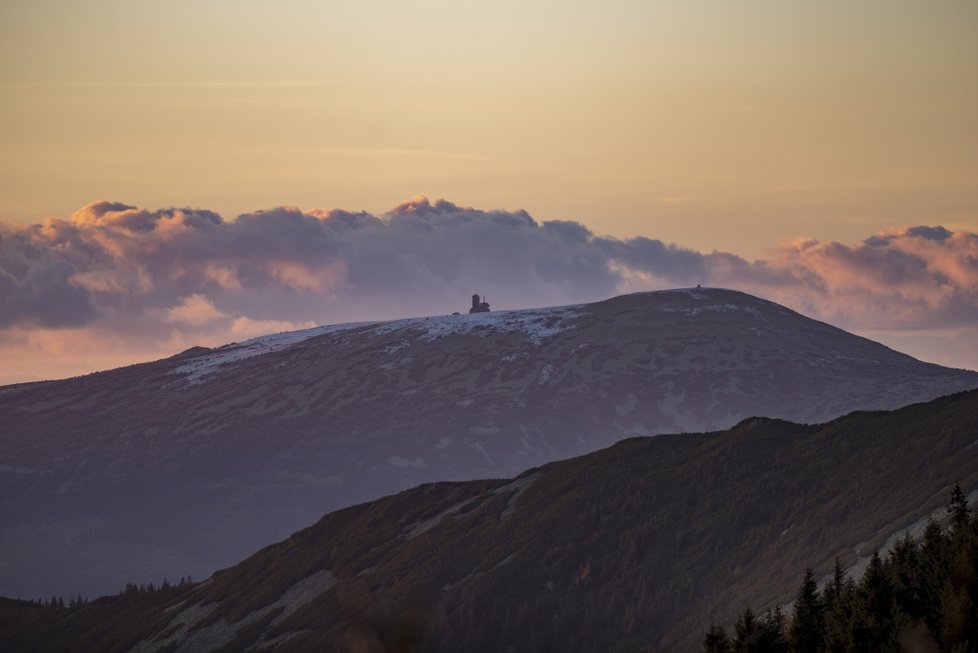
x=722, y=125
x=802, y=151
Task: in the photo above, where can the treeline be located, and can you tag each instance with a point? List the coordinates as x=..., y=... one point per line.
x=132, y=588
x=920, y=597
x=57, y=602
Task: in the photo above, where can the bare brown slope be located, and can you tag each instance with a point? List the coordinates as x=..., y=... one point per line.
x=635, y=547
x=103, y=477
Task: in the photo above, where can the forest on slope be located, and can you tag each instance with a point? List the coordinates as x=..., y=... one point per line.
x=921, y=597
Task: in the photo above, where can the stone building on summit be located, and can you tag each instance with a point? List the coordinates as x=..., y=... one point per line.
x=479, y=305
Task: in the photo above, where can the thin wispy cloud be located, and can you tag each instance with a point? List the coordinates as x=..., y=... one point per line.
x=377, y=151
x=283, y=83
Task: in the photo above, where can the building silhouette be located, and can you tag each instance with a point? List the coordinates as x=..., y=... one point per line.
x=479, y=305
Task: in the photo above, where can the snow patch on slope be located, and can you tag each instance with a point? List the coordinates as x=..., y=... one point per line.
x=517, y=487
x=220, y=633
x=202, y=366
x=716, y=308
x=426, y=525
x=537, y=324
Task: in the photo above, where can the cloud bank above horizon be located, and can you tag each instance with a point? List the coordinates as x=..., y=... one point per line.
x=115, y=284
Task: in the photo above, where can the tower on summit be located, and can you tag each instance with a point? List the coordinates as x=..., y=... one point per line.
x=479, y=305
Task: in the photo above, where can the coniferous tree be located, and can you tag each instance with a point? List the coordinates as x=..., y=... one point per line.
x=772, y=634
x=716, y=640
x=746, y=632
x=959, y=628
x=877, y=599
x=832, y=590
x=760, y=635
x=840, y=622
x=905, y=572
x=934, y=555
x=806, y=627
x=957, y=510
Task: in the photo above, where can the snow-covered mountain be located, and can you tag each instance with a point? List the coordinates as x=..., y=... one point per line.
x=190, y=463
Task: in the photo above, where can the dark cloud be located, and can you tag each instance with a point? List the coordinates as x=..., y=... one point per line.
x=668, y=262
x=44, y=296
x=939, y=234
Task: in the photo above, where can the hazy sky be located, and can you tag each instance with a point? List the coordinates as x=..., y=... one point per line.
x=716, y=124
x=772, y=141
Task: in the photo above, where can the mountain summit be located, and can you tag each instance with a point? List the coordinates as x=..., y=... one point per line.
x=189, y=463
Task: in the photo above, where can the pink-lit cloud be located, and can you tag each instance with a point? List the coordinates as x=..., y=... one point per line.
x=149, y=283
x=194, y=309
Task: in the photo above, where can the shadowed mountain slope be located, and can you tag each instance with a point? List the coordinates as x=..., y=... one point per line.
x=635, y=547
x=187, y=464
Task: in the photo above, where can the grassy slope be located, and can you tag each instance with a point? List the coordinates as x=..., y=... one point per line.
x=635, y=547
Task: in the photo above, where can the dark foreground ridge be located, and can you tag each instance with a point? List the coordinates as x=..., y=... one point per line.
x=637, y=547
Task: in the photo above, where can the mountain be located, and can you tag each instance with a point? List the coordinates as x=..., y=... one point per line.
x=187, y=464
x=637, y=547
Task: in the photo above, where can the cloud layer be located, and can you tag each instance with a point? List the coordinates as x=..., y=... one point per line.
x=157, y=281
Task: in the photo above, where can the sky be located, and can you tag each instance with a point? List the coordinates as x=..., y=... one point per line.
x=788, y=149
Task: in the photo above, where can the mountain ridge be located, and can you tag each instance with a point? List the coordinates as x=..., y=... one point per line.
x=638, y=546
x=242, y=444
